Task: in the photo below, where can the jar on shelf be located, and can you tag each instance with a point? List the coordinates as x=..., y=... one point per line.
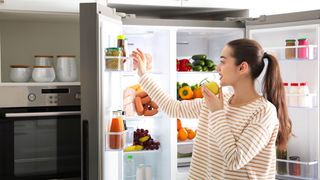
x=114, y=59
x=304, y=98
x=303, y=52
x=281, y=166
x=293, y=94
x=290, y=52
x=122, y=42
x=294, y=167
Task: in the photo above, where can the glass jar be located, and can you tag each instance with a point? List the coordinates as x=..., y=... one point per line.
x=122, y=42
x=43, y=60
x=293, y=94
x=66, y=68
x=303, y=52
x=290, y=52
x=294, y=168
x=304, y=98
x=281, y=166
x=116, y=135
x=114, y=60
x=286, y=91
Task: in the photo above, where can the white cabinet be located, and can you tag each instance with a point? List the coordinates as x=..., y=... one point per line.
x=44, y=5
x=24, y=35
x=174, y=3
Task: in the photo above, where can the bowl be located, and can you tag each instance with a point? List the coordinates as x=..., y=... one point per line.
x=20, y=73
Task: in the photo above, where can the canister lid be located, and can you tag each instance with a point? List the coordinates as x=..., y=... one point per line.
x=66, y=56
x=19, y=66
x=301, y=39
x=42, y=66
x=114, y=49
x=303, y=84
x=49, y=56
x=121, y=36
x=290, y=40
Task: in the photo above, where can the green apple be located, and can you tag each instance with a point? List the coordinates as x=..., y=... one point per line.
x=213, y=87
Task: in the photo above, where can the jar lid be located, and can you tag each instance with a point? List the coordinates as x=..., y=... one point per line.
x=285, y=84
x=66, y=56
x=42, y=66
x=121, y=36
x=290, y=40
x=19, y=66
x=114, y=49
x=294, y=84
x=301, y=39
x=303, y=84
x=49, y=56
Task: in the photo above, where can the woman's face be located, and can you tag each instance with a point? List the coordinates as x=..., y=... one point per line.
x=227, y=69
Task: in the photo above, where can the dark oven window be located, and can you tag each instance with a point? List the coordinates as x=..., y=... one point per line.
x=40, y=147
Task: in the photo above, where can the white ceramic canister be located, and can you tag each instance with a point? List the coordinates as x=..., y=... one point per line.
x=66, y=68
x=43, y=74
x=43, y=60
x=20, y=73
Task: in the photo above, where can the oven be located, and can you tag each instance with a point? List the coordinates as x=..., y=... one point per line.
x=40, y=133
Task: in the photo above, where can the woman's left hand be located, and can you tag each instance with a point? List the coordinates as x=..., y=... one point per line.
x=213, y=102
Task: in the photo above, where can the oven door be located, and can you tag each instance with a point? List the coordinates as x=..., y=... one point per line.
x=40, y=143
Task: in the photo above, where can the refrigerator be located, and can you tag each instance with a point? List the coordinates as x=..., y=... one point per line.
x=103, y=90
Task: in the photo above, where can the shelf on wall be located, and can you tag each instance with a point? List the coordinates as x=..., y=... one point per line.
x=40, y=84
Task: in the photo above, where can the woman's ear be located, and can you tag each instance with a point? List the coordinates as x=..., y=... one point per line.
x=244, y=67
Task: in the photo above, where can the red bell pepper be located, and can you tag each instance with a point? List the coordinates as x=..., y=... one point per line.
x=184, y=65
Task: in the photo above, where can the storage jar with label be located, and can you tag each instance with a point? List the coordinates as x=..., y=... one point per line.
x=114, y=60
x=290, y=52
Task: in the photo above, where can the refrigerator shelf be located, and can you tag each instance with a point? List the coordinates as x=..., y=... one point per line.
x=296, y=60
x=143, y=151
x=290, y=47
x=139, y=118
x=187, y=142
x=196, y=72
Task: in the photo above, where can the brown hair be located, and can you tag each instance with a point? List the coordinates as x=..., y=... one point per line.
x=251, y=52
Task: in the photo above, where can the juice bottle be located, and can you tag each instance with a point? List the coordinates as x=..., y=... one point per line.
x=116, y=140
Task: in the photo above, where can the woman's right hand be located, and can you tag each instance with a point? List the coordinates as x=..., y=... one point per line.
x=141, y=61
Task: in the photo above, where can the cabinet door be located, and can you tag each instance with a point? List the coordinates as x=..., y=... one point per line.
x=213, y=4
x=173, y=3
x=43, y=5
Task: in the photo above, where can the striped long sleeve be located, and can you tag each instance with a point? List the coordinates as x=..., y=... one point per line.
x=233, y=143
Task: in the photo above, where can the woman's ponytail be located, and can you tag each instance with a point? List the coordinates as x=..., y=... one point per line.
x=273, y=90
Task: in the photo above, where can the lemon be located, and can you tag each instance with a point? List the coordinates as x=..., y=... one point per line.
x=213, y=87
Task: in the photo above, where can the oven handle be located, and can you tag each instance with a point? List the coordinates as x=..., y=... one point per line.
x=41, y=114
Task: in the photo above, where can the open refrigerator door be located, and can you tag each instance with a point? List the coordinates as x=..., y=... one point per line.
x=296, y=45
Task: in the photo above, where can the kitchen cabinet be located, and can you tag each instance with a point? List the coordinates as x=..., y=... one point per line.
x=43, y=5
x=24, y=35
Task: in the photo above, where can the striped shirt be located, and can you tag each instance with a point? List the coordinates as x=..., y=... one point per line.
x=233, y=143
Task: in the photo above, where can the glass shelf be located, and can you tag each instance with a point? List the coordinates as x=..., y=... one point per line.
x=187, y=142
x=142, y=151
x=196, y=72
x=290, y=47
x=280, y=53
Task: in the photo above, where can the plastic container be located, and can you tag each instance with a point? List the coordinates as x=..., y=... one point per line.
x=290, y=53
x=130, y=173
x=303, y=52
x=140, y=174
x=304, y=98
x=293, y=94
x=116, y=135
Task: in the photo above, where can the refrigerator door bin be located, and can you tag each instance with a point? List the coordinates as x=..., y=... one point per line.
x=118, y=63
x=280, y=52
x=296, y=169
x=115, y=141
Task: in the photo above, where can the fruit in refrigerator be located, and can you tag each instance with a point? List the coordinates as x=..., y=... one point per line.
x=191, y=133
x=197, y=92
x=213, y=87
x=179, y=124
x=183, y=134
x=144, y=139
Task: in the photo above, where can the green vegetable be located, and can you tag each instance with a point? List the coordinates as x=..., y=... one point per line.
x=199, y=57
x=212, y=68
x=198, y=63
x=204, y=68
x=209, y=63
x=184, y=84
x=197, y=68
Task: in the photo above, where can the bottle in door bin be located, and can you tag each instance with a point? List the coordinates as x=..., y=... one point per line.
x=293, y=94
x=294, y=168
x=304, y=98
x=303, y=52
x=130, y=168
x=123, y=43
x=281, y=166
x=116, y=141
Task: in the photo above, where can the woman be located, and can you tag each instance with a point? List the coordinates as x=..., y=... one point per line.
x=237, y=133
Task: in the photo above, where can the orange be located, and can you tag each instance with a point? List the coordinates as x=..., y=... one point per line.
x=191, y=133
x=179, y=124
x=197, y=92
x=183, y=134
